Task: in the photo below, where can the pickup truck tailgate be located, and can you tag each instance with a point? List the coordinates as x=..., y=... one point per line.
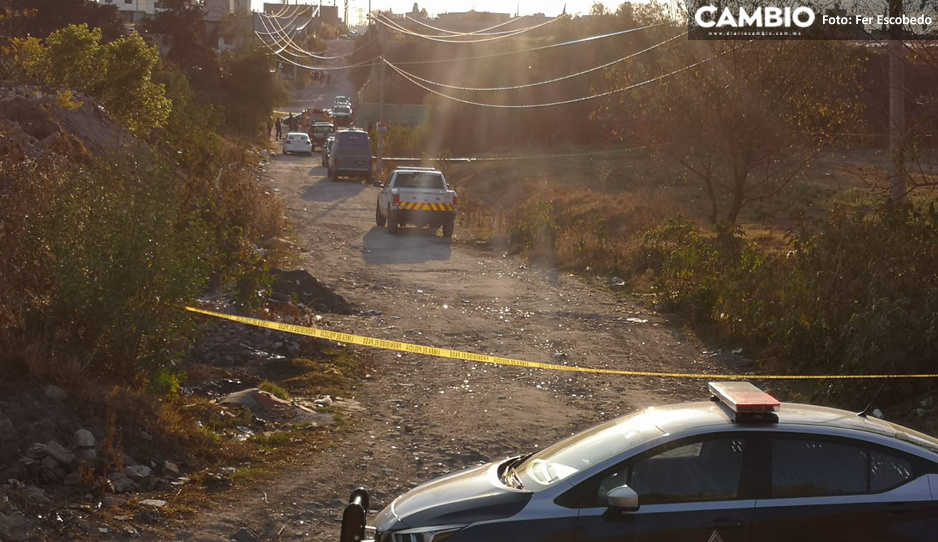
x=429, y=200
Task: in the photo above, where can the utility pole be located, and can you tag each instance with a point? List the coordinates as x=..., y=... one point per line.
x=381, y=39
x=897, y=188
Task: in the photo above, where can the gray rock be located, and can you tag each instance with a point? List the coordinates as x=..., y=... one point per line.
x=121, y=483
x=88, y=454
x=111, y=501
x=6, y=428
x=158, y=503
x=13, y=528
x=36, y=495
x=84, y=439
x=245, y=535
x=51, y=470
x=137, y=472
x=55, y=392
x=170, y=467
x=59, y=453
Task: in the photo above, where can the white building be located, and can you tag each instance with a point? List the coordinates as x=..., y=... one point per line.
x=134, y=11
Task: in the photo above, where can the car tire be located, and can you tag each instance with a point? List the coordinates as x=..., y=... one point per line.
x=448, y=227
x=392, y=221
x=379, y=219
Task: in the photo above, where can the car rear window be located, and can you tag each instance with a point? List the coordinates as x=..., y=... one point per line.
x=325, y=129
x=433, y=181
x=353, y=139
x=298, y=137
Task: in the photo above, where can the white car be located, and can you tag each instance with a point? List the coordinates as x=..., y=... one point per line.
x=297, y=142
x=343, y=100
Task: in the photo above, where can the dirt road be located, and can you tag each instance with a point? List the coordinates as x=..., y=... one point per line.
x=422, y=416
x=425, y=416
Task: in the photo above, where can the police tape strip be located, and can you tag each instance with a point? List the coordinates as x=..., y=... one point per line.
x=497, y=360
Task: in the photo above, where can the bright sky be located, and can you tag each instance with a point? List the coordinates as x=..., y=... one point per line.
x=434, y=7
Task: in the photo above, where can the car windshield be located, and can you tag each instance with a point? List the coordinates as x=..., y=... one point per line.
x=353, y=139
x=586, y=449
x=433, y=181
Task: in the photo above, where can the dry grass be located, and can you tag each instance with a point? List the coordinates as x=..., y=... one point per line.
x=602, y=203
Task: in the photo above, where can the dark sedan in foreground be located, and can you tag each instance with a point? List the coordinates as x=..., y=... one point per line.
x=740, y=467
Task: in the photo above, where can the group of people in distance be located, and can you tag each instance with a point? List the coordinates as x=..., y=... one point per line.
x=290, y=122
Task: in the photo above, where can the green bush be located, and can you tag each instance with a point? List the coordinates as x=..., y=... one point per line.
x=123, y=261
x=858, y=297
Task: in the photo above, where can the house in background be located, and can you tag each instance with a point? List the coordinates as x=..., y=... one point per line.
x=133, y=11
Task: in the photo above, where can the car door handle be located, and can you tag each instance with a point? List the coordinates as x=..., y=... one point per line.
x=724, y=524
x=897, y=508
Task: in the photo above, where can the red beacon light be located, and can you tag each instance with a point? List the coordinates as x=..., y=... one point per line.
x=745, y=400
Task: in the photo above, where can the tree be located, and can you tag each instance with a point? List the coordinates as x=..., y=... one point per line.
x=249, y=89
x=119, y=73
x=181, y=27
x=746, y=121
x=39, y=18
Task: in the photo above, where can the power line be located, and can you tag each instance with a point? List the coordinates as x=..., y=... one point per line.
x=383, y=20
x=549, y=81
x=303, y=52
x=562, y=102
x=532, y=49
x=481, y=32
x=317, y=68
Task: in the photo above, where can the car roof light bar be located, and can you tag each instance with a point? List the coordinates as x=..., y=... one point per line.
x=744, y=398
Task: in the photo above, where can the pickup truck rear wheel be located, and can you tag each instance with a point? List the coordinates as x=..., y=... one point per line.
x=392, y=221
x=379, y=220
x=448, y=227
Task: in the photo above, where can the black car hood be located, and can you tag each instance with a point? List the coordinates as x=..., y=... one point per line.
x=460, y=498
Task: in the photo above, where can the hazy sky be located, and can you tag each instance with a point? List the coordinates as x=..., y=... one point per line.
x=527, y=7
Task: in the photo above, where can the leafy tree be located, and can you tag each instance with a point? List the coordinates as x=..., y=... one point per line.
x=39, y=18
x=249, y=88
x=119, y=73
x=181, y=26
x=745, y=123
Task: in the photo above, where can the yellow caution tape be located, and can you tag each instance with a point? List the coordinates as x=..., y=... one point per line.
x=497, y=360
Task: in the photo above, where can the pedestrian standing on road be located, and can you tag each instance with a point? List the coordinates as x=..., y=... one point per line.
x=279, y=126
x=270, y=127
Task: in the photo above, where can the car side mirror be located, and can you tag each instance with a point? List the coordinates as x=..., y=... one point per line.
x=622, y=498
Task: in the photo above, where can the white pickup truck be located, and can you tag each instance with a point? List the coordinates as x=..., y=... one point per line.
x=418, y=196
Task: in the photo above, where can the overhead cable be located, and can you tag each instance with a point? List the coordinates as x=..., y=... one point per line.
x=279, y=55
x=562, y=102
x=481, y=32
x=549, y=81
x=304, y=52
x=381, y=19
x=532, y=49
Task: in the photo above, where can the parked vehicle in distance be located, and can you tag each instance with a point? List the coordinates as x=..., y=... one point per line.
x=319, y=131
x=326, y=148
x=740, y=467
x=343, y=100
x=297, y=142
x=418, y=196
x=350, y=155
x=342, y=115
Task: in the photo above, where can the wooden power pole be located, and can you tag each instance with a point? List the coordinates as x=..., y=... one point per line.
x=897, y=177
